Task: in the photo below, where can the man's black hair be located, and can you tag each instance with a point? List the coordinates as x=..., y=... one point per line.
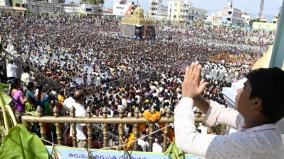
x=268, y=85
x=30, y=85
x=26, y=68
x=39, y=87
x=15, y=83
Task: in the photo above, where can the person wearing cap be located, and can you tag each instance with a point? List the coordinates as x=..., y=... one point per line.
x=259, y=106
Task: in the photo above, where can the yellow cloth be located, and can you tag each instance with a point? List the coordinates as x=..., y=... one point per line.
x=60, y=99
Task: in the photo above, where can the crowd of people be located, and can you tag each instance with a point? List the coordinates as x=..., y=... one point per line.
x=221, y=34
x=88, y=52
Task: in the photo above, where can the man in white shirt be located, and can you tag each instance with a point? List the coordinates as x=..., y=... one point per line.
x=11, y=70
x=157, y=147
x=259, y=107
x=80, y=111
x=25, y=77
x=144, y=144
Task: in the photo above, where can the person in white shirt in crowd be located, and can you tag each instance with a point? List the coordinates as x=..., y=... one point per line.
x=80, y=111
x=11, y=70
x=144, y=144
x=259, y=106
x=157, y=146
x=26, y=77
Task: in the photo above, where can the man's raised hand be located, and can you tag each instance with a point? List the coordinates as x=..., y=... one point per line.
x=192, y=86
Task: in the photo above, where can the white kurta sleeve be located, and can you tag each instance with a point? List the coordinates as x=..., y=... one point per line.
x=219, y=114
x=186, y=136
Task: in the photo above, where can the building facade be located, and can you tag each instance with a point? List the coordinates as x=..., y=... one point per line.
x=246, y=18
x=12, y=3
x=2, y=3
x=267, y=26
x=178, y=10
x=90, y=9
x=71, y=9
x=163, y=12
x=230, y=16
x=12, y=7
x=158, y=10
x=275, y=19
x=82, y=9
x=51, y=7
x=122, y=8
x=154, y=5
x=197, y=14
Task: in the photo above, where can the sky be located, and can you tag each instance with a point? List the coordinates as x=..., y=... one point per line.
x=250, y=6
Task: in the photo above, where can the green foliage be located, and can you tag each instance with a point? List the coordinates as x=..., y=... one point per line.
x=174, y=152
x=7, y=112
x=2, y=133
x=19, y=143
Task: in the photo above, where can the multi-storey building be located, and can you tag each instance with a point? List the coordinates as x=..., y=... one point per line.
x=85, y=9
x=246, y=18
x=158, y=10
x=2, y=3
x=49, y=7
x=196, y=14
x=230, y=16
x=183, y=11
x=12, y=7
x=178, y=10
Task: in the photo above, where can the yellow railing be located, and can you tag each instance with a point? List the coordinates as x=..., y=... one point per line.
x=90, y=120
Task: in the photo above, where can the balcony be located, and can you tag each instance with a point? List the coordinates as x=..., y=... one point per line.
x=92, y=122
x=112, y=144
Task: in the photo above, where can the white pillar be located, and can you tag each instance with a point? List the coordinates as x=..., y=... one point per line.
x=277, y=56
